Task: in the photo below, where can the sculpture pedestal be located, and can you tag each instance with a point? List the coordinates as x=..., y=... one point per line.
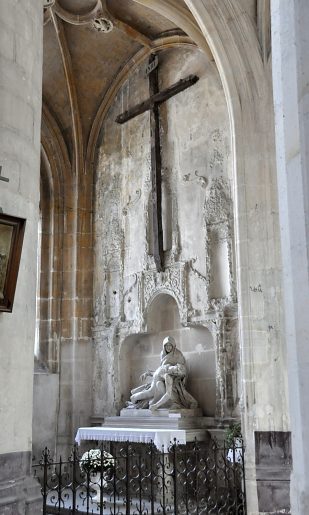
x=179, y=417
x=185, y=425
x=161, y=427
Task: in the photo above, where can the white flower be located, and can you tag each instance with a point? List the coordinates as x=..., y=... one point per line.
x=91, y=461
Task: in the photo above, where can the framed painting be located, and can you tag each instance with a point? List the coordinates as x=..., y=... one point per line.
x=11, y=240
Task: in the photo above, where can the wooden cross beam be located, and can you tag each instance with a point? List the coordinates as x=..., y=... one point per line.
x=5, y=179
x=157, y=98
x=152, y=104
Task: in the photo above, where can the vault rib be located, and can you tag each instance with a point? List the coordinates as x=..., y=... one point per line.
x=70, y=81
x=77, y=19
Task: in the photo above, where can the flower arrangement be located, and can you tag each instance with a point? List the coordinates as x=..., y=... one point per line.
x=93, y=462
x=234, y=431
x=234, y=442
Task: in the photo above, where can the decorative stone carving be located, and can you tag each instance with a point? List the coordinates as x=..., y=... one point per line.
x=224, y=328
x=219, y=222
x=166, y=389
x=216, y=136
x=170, y=281
x=200, y=179
x=218, y=203
x=217, y=151
x=218, y=304
x=217, y=158
x=102, y=25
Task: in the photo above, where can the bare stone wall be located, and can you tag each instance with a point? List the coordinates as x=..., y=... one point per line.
x=20, y=116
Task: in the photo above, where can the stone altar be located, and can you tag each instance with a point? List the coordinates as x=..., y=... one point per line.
x=161, y=427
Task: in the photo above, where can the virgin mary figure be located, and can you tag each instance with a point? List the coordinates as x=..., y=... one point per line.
x=167, y=385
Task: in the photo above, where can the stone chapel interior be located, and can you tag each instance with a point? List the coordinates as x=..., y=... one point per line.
x=188, y=220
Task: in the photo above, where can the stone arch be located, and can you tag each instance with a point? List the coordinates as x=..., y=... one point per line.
x=162, y=313
x=232, y=39
x=163, y=298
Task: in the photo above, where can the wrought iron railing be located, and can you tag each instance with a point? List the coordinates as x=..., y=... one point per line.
x=195, y=479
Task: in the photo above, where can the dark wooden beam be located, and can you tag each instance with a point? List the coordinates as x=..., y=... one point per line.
x=156, y=195
x=157, y=98
x=152, y=104
x=5, y=179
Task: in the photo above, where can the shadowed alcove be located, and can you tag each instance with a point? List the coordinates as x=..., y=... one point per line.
x=140, y=352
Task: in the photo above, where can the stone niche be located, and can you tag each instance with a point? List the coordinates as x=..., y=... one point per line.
x=194, y=298
x=140, y=352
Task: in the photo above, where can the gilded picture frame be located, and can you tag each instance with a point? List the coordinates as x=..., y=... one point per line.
x=11, y=240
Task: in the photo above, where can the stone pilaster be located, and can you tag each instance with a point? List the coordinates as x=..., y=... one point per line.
x=290, y=65
x=21, y=49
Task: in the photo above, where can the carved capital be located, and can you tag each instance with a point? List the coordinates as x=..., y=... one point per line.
x=102, y=25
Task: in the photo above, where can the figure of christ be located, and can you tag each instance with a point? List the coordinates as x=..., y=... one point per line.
x=167, y=386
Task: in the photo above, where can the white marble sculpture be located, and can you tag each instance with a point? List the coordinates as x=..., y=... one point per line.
x=166, y=388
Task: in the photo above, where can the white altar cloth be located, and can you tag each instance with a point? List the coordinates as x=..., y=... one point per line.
x=162, y=438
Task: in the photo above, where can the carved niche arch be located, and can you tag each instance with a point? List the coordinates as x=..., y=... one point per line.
x=162, y=313
x=172, y=282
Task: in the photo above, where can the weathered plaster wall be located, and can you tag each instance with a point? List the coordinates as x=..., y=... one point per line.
x=20, y=116
x=198, y=225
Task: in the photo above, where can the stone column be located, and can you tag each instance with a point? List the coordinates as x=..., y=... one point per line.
x=21, y=49
x=290, y=61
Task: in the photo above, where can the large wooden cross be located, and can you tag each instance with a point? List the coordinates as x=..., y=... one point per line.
x=152, y=104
